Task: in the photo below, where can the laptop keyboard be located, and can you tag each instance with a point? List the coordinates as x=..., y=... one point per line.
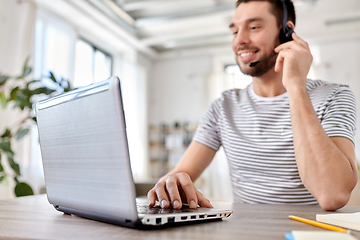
x=144, y=209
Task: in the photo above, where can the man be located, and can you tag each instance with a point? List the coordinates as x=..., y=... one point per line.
x=287, y=139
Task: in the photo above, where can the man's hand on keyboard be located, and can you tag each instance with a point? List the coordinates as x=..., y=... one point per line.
x=176, y=189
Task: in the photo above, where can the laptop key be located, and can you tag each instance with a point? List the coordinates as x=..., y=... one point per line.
x=144, y=209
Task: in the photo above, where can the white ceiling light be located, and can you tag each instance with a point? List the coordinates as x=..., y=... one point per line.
x=126, y=17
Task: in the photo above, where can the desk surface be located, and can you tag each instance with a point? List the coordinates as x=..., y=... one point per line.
x=34, y=218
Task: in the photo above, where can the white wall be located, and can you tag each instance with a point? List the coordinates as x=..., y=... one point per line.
x=176, y=89
x=15, y=26
x=340, y=63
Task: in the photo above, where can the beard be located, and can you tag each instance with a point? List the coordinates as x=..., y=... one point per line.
x=262, y=67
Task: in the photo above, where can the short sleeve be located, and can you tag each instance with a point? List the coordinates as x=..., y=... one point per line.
x=339, y=119
x=208, y=132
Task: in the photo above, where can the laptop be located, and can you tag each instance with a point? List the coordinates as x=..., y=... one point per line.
x=86, y=160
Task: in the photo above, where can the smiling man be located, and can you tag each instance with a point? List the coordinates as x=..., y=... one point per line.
x=288, y=139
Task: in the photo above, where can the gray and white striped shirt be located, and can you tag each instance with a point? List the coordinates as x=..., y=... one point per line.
x=256, y=134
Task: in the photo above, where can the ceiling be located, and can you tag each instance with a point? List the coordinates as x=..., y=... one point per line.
x=165, y=25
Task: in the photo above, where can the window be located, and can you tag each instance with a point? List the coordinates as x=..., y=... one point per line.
x=235, y=78
x=91, y=64
x=53, y=51
x=54, y=47
x=59, y=48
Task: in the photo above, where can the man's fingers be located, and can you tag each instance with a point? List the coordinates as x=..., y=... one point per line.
x=288, y=45
x=173, y=191
x=298, y=44
x=279, y=62
x=188, y=187
x=151, y=197
x=203, y=202
x=162, y=194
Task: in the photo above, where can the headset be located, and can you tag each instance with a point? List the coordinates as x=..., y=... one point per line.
x=285, y=33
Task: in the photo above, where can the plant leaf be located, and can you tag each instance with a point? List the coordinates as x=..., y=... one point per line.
x=25, y=91
x=2, y=178
x=18, y=103
x=3, y=79
x=13, y=93
x=32, y=81
x=29, y=104
x=23, y=189
x=52, y=77
x=27, y=71
x=1, y=167
x=35, y=120
x=6, y=134
x=42, y=90
x=5, y=146
x=26, y=63
x=3, y=99
x=20, y=134
x=14, y=165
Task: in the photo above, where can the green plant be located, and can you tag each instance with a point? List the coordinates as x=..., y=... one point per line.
x=22, y=92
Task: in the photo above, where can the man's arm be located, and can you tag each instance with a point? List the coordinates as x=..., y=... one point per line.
x=327, y=166
x=178, y=186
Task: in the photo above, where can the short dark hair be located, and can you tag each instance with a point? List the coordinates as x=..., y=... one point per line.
x=277, y=9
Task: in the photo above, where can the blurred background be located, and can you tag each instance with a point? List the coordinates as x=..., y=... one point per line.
x=173, y=57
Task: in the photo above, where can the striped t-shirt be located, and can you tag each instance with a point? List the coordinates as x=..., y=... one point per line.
x=256, y=134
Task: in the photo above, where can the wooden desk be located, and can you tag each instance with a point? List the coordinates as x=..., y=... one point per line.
x=34, y=218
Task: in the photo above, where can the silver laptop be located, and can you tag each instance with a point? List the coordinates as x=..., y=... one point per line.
x=86, y=160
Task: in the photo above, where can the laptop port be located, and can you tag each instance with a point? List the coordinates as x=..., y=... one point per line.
x=158, y=220
x=171, y=219
x=184, y=218
x=193, y=217
x=211, y=215
x=202, y=216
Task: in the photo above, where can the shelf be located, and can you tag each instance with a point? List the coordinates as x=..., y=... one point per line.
x=167, y=145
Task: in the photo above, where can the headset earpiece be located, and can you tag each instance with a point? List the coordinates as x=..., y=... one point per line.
x=289, y=31
x=285, y=34
x=285, y=31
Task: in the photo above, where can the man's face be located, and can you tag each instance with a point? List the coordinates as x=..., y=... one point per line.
x=256, y=34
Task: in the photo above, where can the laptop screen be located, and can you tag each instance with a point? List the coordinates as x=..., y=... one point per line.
x=85, y=152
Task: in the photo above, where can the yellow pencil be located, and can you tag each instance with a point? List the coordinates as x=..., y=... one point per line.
x=319, y=224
